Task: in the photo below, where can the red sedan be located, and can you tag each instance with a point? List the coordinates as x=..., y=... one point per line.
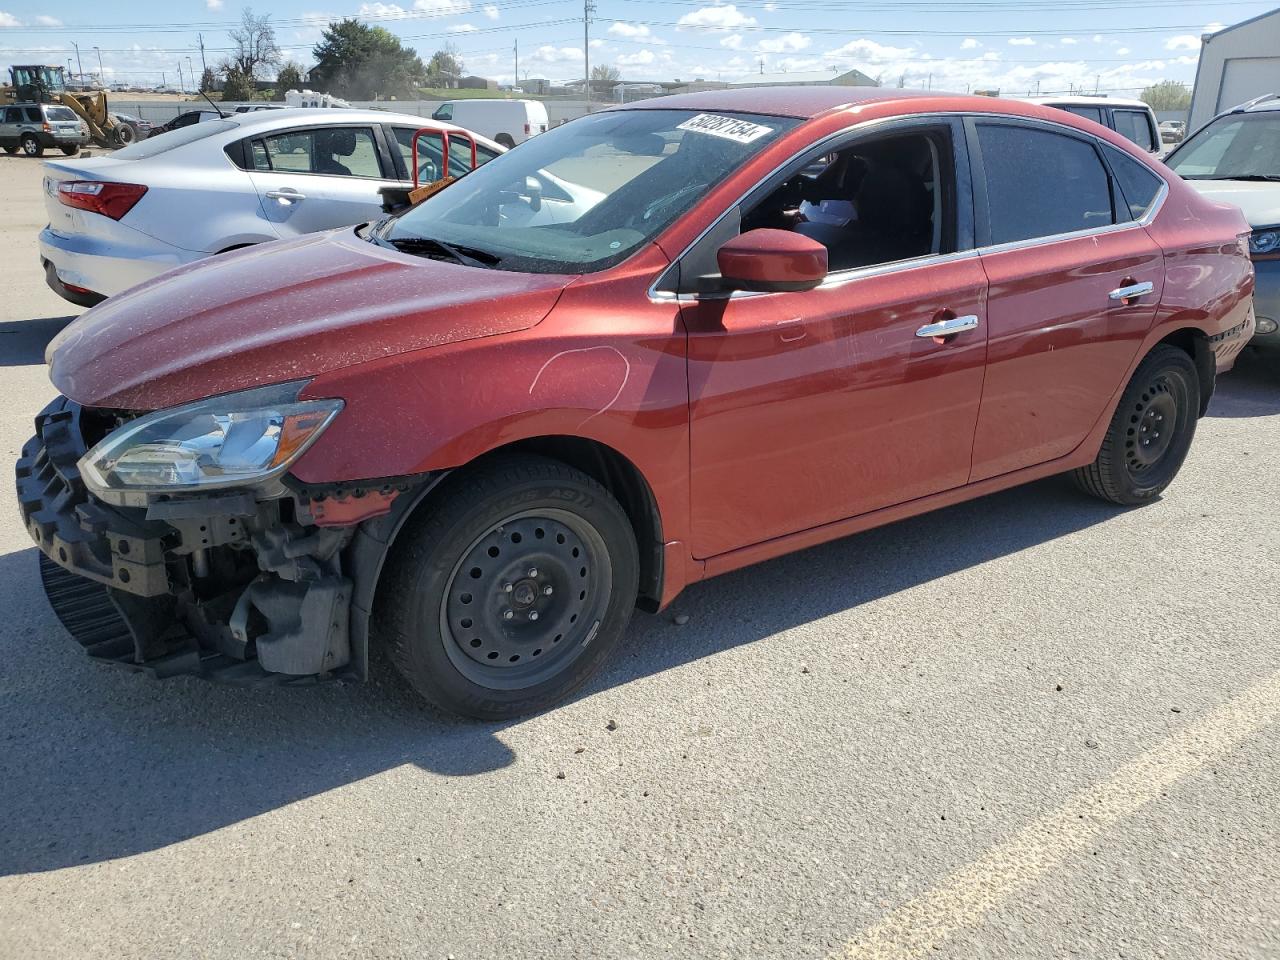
x=655, y=344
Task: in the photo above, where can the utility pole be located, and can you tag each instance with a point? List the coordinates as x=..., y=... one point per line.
x=102, y=75
x=78, y=64
x=588, y=8
x=203, y=66
x=181, y=83
x=515, y=78
x=762, y=66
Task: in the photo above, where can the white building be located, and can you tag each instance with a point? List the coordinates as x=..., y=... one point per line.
x=1236, y=65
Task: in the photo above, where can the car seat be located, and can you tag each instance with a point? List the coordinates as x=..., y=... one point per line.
x=331, y=144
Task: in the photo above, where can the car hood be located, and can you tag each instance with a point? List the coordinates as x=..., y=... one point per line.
x=1259, y=200
x=282, y=311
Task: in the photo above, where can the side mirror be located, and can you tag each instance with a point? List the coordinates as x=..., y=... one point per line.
x=772, y=260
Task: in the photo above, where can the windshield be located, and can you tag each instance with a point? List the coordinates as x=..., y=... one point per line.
x=163, y=142
x=1240, y=146
x=588, y=194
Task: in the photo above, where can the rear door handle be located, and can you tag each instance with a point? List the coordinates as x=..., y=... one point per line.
x=286, y=194
x=1132, y=291
x=950, y=327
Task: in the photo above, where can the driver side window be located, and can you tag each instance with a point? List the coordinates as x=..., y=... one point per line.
x=877, y=200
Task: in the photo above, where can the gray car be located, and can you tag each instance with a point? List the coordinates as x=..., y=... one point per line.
x=1235, y=158
x=36, y=127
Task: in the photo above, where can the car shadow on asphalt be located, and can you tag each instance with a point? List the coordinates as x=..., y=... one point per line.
x=1251, y=389
x=22, y=342
x=100, y=763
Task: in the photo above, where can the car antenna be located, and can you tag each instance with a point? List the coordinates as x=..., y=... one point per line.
x=221, y=115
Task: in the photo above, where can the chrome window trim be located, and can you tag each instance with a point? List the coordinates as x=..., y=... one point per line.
x=857, y=273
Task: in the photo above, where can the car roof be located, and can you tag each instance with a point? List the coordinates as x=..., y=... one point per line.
x=1270, y=101
x=787, y=101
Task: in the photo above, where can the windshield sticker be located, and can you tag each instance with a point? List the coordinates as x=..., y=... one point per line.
x=739, y=131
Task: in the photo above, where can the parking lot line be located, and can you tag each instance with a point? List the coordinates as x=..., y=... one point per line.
x=921, y=925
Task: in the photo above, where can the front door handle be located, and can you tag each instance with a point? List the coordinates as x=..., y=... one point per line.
x=285, y=195
x=1132, y=291
x=949, y=327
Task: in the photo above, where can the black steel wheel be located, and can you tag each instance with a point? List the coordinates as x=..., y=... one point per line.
x=31, y=146
x=1150, y=432
x=509, y=589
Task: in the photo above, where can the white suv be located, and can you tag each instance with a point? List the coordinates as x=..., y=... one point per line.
x=1132, y=119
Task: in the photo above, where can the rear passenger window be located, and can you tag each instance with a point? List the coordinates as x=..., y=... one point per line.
x=331, y=151
x=33, y=115
x=1089, y=113
x=1136, y=126
x=1040, y=184
x=1137, y=183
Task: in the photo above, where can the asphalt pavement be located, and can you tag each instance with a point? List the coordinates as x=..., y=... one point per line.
x=1030, y=726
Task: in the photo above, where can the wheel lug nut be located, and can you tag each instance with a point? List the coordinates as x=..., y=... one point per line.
x=546, y=591
x=533, y=614
x=507, y=588
x=508, y=614
x=533, y=571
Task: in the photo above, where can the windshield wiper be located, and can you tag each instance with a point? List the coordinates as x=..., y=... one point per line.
x=467, y=256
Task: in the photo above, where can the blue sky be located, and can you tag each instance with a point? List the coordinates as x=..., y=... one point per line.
x=1116, y=45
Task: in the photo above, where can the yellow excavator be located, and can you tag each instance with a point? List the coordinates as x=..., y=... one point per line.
x=44, y=84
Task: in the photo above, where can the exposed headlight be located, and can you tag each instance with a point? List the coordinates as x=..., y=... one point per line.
x=1265, y=242
x=241, y=439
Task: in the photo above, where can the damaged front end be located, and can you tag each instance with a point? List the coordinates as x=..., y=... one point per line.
x=233, y=584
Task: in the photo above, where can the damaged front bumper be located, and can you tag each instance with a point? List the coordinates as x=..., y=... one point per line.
x=221, y=585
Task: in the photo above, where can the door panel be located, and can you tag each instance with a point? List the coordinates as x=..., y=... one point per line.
x=1058, y=345
x=318, y=179
x=815, y=406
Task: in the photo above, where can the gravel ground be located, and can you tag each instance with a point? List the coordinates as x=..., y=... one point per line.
x=1030, y=726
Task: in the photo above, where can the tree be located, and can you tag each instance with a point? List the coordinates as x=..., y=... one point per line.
x=608, y=74
x=289, y=78
x=208, y=80
x=255, y=47
x=359, y=61
x=238, y=86
x=1167, y=95
x=445, y=67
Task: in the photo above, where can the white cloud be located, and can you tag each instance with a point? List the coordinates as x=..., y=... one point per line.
x=491, y=11
x=596, y=43
x=1214, y=27
x=733, y=41
x=550, y=54
x=869, y=50
x=969, y=44
x=791, y=42
x=9, y=20
x=441, y=8
x=640, y=58
x=380, y=11
x=1185, y=41
x=1123, y=51
x=1068, y=41
x=1098, y=38
x=47, y=21
x=631, y=31
x=770, y=7
x=462, y=28
x=724, y=17
x=1021, y=42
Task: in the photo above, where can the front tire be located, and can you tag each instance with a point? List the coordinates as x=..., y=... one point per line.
x=31, y=146
x=1150, y=433
x=509, y=589
x=69, y=151
x=11, y=150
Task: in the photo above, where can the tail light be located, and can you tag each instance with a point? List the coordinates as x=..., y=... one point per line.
x=112, y=200
x=47, y=127
x=528, y=129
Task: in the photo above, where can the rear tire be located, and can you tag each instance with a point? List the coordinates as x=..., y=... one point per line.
x=11, y=150
x=70, y=151
x=31, y=146
x=509, y=589
x=1150, y=433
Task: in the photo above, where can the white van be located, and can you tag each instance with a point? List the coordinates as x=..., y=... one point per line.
x=507, y=121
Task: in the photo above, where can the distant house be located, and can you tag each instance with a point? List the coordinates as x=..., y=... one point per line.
x=624, y=92
x=808, y=78
x=477, y=83
x=538, y=85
